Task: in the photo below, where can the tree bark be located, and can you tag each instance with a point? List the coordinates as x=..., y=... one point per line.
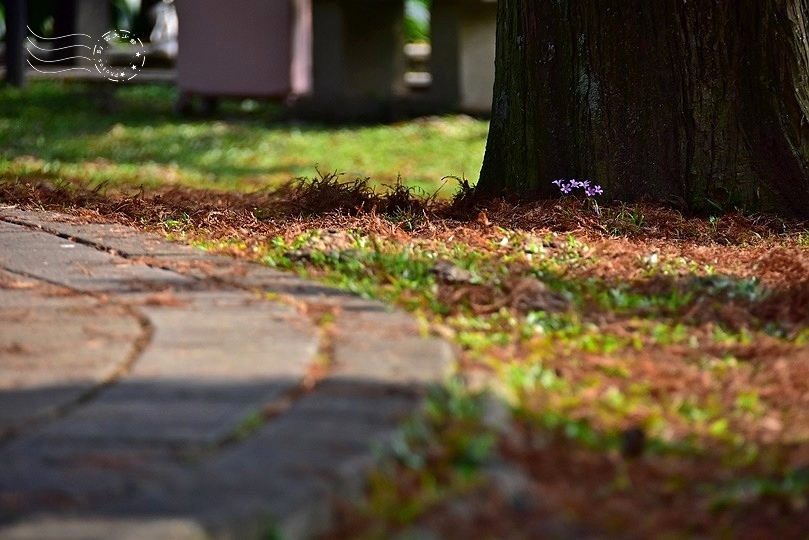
x=701, y=101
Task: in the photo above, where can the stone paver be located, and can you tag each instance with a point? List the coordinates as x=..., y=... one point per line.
x=151, y=390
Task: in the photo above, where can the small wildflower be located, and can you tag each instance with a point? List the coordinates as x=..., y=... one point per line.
x=593, y=191
x=589, y=190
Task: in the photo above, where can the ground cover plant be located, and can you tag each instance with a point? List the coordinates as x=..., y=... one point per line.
x=653, y=365
x=124, y=134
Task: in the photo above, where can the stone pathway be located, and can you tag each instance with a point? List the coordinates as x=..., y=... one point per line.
x=151, y=390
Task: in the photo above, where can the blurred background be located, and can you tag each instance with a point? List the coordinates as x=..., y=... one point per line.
x=247, y=94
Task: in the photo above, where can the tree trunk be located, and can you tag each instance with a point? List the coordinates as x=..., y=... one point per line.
x=702, y=101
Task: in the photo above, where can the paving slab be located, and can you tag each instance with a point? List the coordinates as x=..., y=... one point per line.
x=106, y=528
x=112, y=237
x=76, y=266
x=152, y=390
x=36, y=322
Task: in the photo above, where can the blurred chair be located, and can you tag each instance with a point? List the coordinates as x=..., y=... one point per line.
x=243, y=48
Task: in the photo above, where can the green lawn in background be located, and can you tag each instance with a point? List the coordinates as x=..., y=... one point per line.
x=128, y=135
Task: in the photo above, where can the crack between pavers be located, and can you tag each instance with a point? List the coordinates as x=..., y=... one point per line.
x=98, y=246
x=146, y=260
x=55, y=232
x=139, y=345
x=43, y=227
x=316, y=371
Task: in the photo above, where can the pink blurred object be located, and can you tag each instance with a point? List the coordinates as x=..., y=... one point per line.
x=244, y=48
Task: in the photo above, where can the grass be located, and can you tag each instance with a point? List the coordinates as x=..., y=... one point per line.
x=129, y=135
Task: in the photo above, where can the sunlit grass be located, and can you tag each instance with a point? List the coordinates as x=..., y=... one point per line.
x=129, y=135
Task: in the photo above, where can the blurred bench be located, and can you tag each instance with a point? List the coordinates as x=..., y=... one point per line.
x=335, y=59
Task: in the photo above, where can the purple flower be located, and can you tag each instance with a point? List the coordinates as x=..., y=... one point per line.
x=565, y=188
x=593, y=191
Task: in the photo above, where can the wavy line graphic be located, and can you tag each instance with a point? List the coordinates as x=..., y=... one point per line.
x=59, y=60
x=52, y=38
x=43, y=60
x=33, y=44
x=57, y=71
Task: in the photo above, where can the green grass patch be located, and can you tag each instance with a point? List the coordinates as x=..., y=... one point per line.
x=129, y=135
